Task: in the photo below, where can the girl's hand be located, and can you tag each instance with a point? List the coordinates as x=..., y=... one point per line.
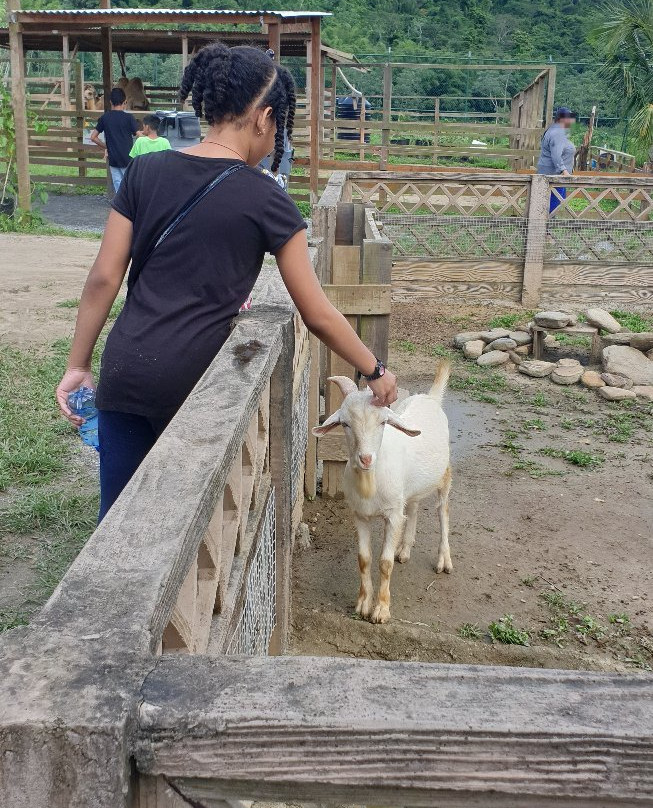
x=384, y=389
x=73, y=379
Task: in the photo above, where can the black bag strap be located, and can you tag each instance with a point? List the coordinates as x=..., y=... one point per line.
x=135, y=269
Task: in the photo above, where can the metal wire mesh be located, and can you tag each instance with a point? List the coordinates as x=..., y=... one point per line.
x=619, y=241
x=455, y=236
x=258, y=618
x=299, y=435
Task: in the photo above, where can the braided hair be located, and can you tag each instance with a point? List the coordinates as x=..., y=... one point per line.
x=224, y=82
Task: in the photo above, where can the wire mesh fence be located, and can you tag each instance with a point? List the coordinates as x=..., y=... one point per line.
x=445, y=237
x=299, y=435
x=253, y=632
x=619, y=241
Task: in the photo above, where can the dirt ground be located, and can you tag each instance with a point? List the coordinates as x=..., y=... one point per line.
x=563, y=549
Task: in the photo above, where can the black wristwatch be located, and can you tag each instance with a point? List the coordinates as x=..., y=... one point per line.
x=379, y=371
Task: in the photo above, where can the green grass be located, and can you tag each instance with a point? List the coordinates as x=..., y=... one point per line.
x=633, y=321
x=407, y=346
x=573, y=340
x=35, y=225
x=479, y=383
x=534, y=424
x=576, y=457
x=470, y=631
x=503, y=630
x=540, y=400
x=73, y=303
x=509, y=320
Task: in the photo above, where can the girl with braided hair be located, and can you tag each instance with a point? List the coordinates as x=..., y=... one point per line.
x=195, y=226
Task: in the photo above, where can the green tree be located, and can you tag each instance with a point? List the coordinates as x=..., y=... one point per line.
x=626, y=42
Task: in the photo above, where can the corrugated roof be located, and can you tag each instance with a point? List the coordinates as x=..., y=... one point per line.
x=181, y=12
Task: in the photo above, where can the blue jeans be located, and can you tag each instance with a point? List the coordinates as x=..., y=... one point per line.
x=116, y=176
x=554, y=201
x=125, y=440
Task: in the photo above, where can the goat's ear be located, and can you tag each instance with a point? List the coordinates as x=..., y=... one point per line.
x=331, y=423
x=397, y=423
x=345, y=384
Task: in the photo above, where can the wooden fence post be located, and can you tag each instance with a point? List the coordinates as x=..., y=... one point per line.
x=19, y=103
x=79, y=120
x=436, y=139
x=376, y=268
x=538, y=214
x=387, y=108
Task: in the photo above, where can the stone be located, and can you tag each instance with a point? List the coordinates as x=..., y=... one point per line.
x=466, y=336
x=615, y=393
x=552, y=319
x=550, y=341
x=522, y=350
x=474, y=348
x=492, y=358
x=592, y=379
x=523, y=337
x=515, y=357
x=629, y=362
x=643, y=341
x=567, y=374
x=568, y=362
x=644, y=391
x=622, y=338
x=617, y=380
x=494, y=333
x=537, y=368
x=503, y=344
x=649, y=354
x=604, y=320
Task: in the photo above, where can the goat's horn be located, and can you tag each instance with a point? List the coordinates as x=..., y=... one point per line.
x=345, y=384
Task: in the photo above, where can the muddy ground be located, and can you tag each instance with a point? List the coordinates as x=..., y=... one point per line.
x=565, y=550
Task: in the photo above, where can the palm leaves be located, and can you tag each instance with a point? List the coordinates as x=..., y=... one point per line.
x=625, y=40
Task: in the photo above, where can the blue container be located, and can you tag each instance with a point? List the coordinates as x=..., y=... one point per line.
x=82, y=403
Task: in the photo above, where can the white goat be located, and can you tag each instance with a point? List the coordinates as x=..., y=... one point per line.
x=389, y=472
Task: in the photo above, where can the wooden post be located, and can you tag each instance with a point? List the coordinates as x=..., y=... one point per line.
x=19, y=104
x=376, y=268
x=436, y=139
x=361, y=138
x=274, y=39
x=334, y=105
x=550, y=95
x=538, y=214
x=107, y=50
x=387, y=107
x=184, y=51
x=315, y=107
x=65, y=86
x=79, y=120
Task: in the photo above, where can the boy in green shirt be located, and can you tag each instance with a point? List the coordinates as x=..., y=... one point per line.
x=150, y=142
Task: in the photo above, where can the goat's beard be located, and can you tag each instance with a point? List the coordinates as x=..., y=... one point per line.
x=365, y=483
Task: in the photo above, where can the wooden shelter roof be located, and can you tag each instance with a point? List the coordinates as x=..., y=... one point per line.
x=129, y=16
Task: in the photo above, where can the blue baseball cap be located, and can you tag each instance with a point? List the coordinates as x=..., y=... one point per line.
x=564, y=112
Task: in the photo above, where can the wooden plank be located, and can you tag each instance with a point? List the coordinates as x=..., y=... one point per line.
x=596, y=295
x=316, y=91
x=428, y=270
x=538, y=213
x=356, y=299
x=376, y=271
x=19, y=105
x=316, y=729
x=345, y=223
x=452, y=291
x=599, y=274
x=332, y=447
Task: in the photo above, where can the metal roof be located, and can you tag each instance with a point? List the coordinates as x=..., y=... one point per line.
x=61, y=13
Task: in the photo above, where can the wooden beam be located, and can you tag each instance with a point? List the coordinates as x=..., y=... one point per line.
x=397, y=733
x=538, y=214
x=18, y=100
x=355, y=299
x=274, y=39
x=107, y=52
x=184, y=51
x=550, y=94
x=315, y=106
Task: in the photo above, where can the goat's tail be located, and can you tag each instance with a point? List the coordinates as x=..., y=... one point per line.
x=442, y=373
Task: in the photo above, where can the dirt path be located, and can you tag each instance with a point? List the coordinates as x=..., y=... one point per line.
x=532, y=536
x=36, y=274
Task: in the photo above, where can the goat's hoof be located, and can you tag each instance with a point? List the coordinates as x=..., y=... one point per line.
x=402, y=555
x=444, y=566
x=364, y=607
x=381, y=614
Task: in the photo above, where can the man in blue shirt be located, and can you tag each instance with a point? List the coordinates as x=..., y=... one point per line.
x=119, y=128
x=558, y=152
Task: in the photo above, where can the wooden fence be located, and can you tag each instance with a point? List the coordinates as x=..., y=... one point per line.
x=124, y=693
x=481, y=237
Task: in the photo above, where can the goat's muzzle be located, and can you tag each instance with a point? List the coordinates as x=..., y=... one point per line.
x=365, y=461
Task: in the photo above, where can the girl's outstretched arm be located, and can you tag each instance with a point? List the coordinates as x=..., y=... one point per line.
x=100, y=291
x=324, y=320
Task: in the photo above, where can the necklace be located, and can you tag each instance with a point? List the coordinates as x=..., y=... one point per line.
x=222, y=146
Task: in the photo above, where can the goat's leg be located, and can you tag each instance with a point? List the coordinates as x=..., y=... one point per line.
x=366, y=591
x=444, y=558
x=394, y=526
x=408, y=540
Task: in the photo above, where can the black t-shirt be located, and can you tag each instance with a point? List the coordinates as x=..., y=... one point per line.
x=178, y=313
x=119, y=128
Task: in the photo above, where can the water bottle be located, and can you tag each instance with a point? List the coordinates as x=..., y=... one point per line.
x=82, y=403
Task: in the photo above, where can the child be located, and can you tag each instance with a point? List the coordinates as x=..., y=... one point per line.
x=150, y=142
x=182, y=296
